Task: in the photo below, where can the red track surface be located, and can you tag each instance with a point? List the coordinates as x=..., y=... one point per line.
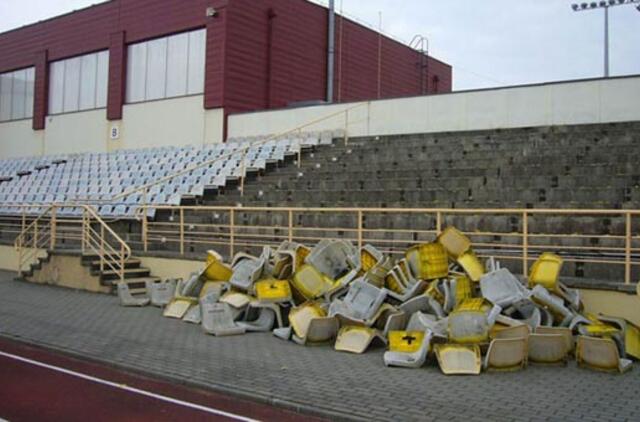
x=30, y=392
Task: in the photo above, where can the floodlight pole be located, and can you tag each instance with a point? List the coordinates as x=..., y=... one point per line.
x=606, y=42
x=581, y=7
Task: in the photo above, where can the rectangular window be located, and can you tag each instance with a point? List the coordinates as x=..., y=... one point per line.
x=16, y=94
x=166, y=67
x=79, y=83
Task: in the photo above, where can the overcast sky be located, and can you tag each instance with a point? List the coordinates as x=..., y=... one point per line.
x=489, y=43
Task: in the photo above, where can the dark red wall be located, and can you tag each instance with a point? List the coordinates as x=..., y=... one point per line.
x=279, y=50
x=260, y=53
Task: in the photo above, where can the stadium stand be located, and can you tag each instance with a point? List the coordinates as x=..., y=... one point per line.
x=113, y=177
x=573, y=167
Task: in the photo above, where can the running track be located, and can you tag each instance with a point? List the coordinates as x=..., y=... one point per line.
x=36, y=384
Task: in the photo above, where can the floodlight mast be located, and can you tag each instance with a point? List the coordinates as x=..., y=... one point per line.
x=604, y=4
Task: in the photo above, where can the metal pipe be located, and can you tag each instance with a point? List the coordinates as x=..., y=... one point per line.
x=331, y=50
x=606, y=42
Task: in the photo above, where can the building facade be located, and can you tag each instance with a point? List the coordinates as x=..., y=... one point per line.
x=139, y=73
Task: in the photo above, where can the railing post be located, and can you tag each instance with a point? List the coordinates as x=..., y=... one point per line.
x=346, y=127
x=232, y=229
x=299, y=149
x=525, y=244
x=24, y=219
x=84, y=231
x=54, y=222
x=181, y=231
x=627, y=251
x=102, y=248
x=243, y=172
x=122, y=254
x=439, y=222
x=290, y=237
x=145, y=245
x=20, y=253
x=359, y=229
x=35, y=236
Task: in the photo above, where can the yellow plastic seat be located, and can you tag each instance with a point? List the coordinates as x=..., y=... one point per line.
x=179, y=307
x=507, y=354
x=454, y=241
x=546, y=271
x=630, y=334
x=429, y=261
x=276, y=291
x=548, y=348
x=463, y=289
x=519, y=331
x=456, y=359
x=311, y=283
x=471, y=265
x=600, y=354
x=405, y=341
x=216, y=270
x=354, y=339
x=236, y=299
x=565, y=332
x=301, y=316
x=369, y=258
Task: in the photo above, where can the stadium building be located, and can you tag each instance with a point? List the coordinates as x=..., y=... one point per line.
x=206, y=159
x=132, y=74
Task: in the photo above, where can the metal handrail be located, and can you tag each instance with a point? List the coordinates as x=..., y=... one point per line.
x=524, y=246
x=114, y=257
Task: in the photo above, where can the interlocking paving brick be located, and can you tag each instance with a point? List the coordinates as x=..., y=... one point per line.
x=314, y=379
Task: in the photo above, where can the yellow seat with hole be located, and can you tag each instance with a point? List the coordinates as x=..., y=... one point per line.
x=472, y=266
x=454, y=241
x=430, y=261
x=456, y=359
x=546, y=271
x=405, y=341
x=273, y=290
x=311, y=283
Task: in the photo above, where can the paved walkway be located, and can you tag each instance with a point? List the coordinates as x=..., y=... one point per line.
x=312, y=379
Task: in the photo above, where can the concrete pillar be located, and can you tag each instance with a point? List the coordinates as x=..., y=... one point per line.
x=117, y=75
x=41, y=90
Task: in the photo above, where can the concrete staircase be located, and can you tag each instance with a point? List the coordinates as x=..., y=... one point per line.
x=70, y=268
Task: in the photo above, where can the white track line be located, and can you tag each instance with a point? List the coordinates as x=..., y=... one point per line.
x=130, y=389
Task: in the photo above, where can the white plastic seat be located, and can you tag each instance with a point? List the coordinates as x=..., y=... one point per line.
x=127, y=299
x=396, y=357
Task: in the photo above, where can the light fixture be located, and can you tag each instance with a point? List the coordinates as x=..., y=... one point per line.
x=603, y=4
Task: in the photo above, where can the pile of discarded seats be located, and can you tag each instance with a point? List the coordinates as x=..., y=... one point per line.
x=439, y=300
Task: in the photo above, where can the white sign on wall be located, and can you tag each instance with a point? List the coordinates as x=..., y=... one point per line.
x=114, y=133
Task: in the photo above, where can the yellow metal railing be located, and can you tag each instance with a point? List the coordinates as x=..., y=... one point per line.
x=91, y=231
x=521, y=242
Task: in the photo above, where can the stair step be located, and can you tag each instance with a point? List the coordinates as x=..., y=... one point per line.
x=130, y=273
x=138, y=285
x=131, y=263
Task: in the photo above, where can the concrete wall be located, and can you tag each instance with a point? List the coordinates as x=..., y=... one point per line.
x=178, y=121
x=577, y=102
x=85, y=131
x=622, y=305
x=17, y=139
x=171, y=268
